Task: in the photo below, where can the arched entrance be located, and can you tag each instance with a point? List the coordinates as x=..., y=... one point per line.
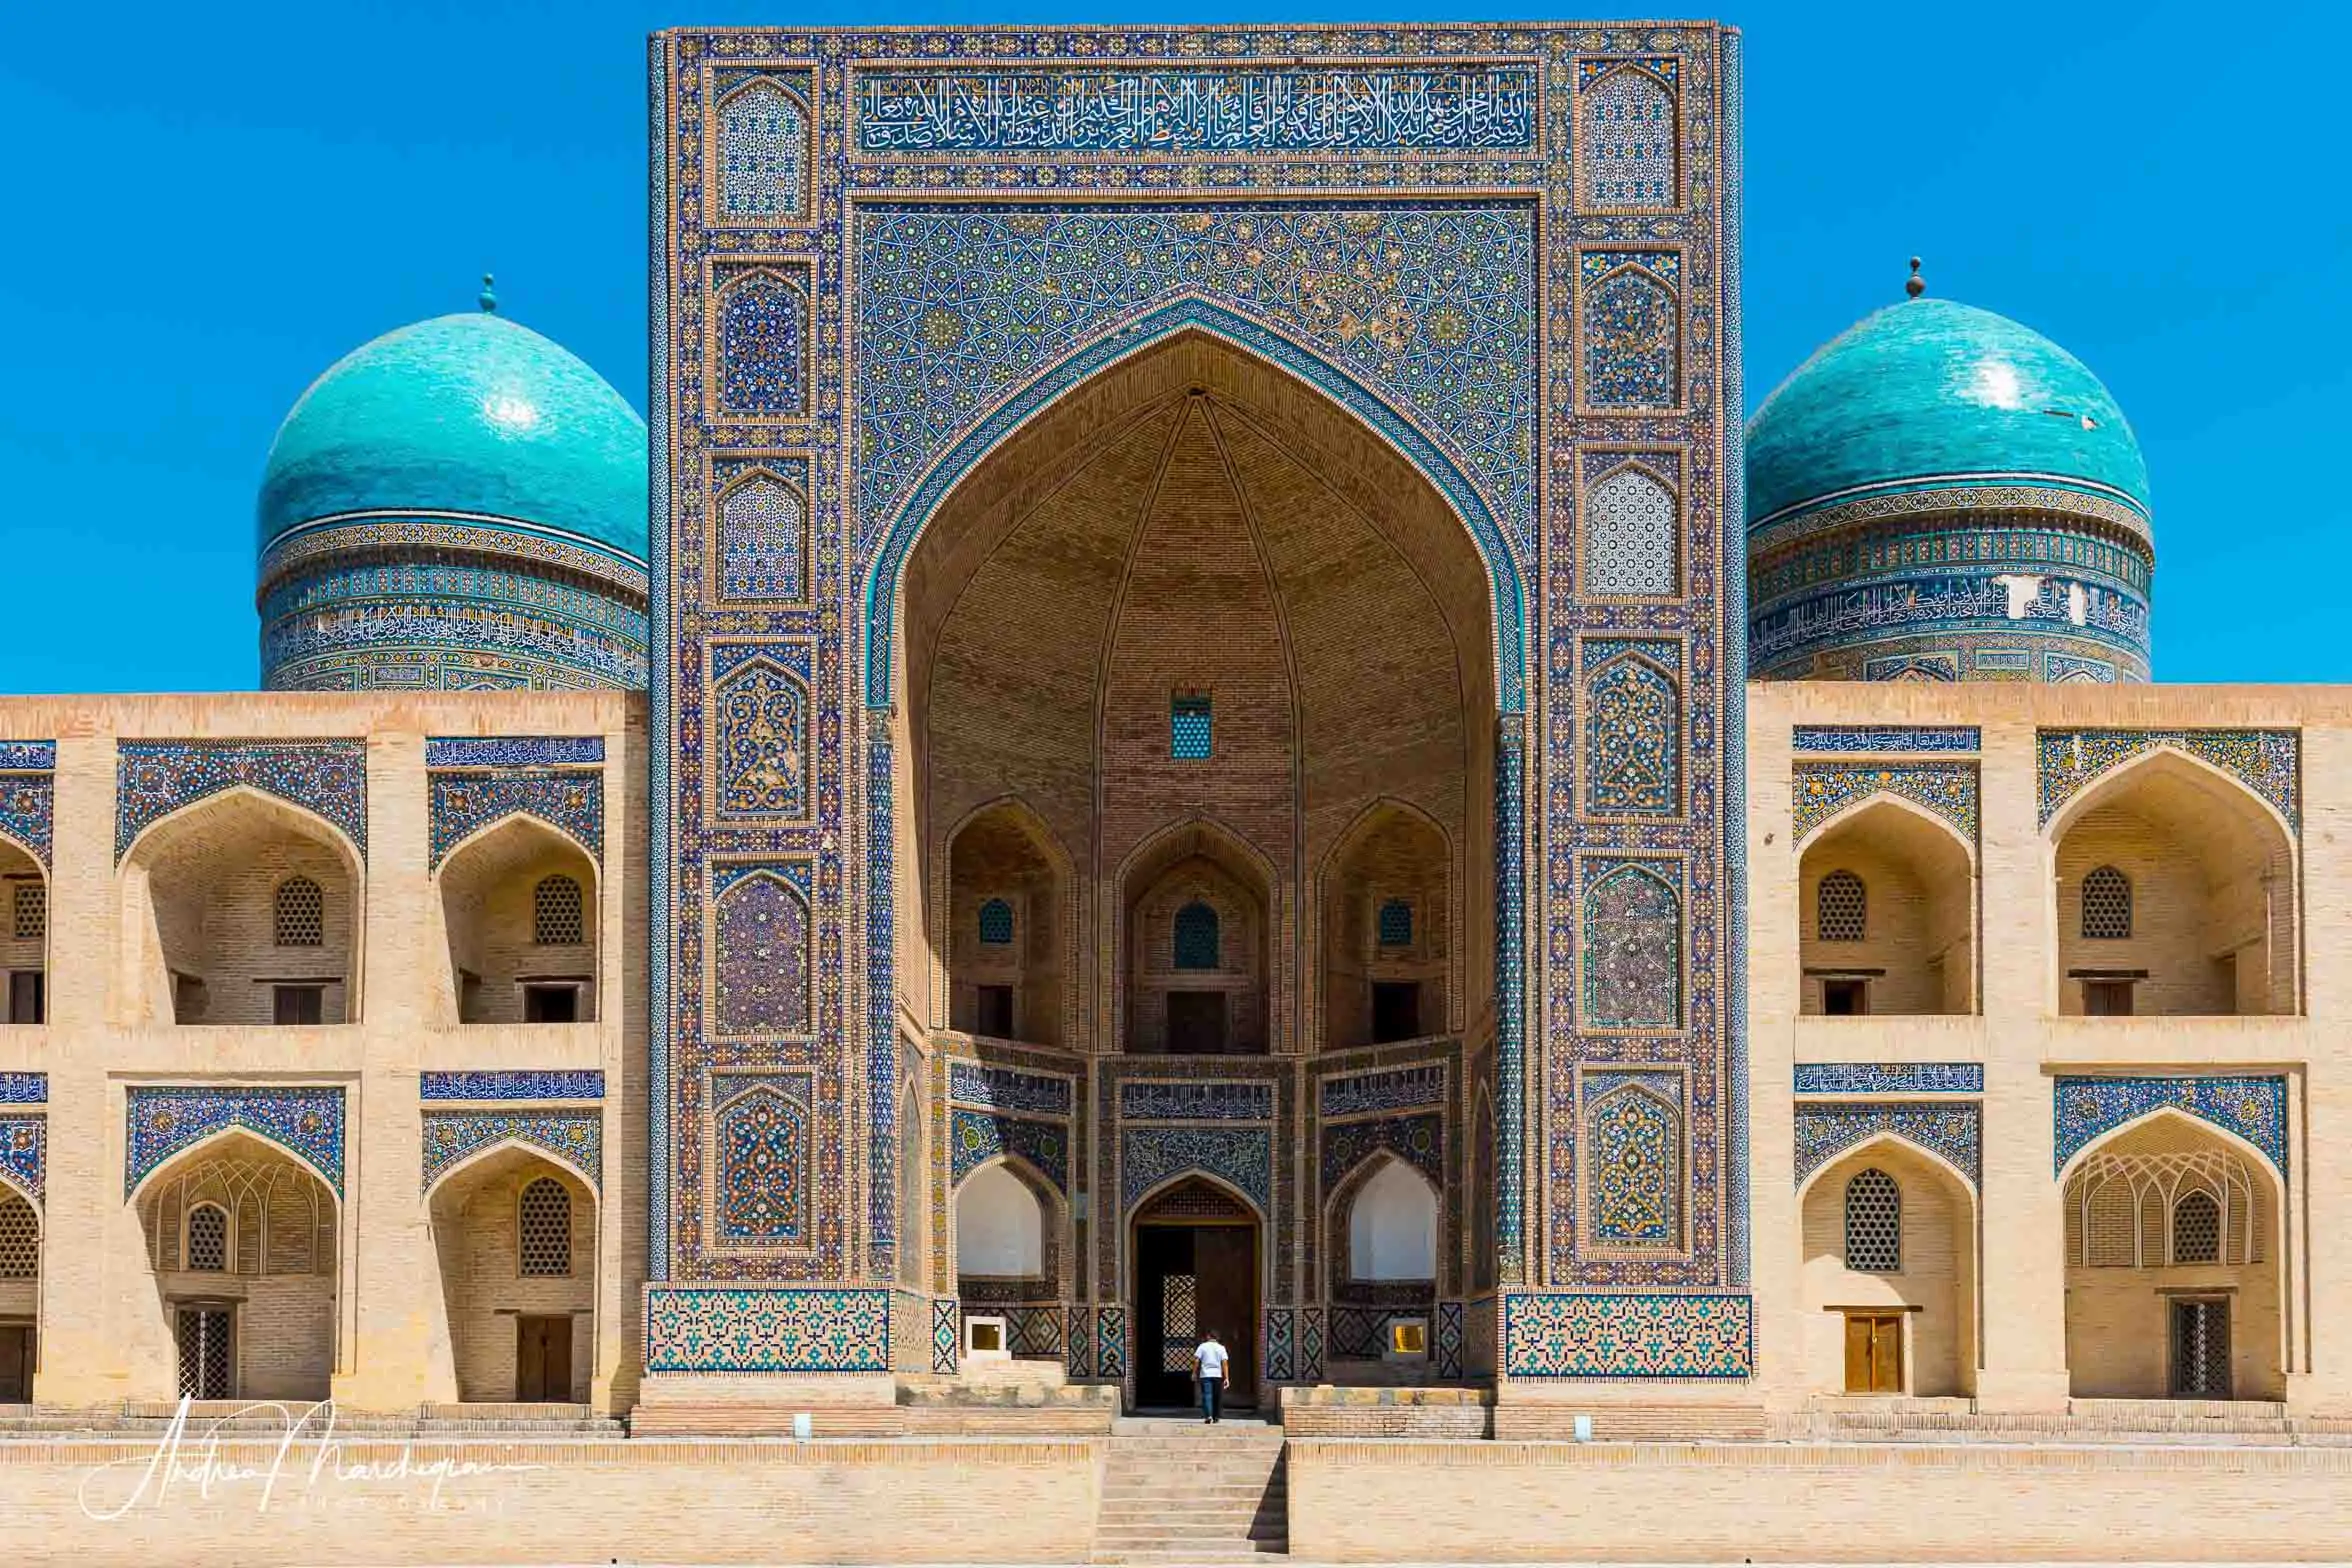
x=1196, y=1260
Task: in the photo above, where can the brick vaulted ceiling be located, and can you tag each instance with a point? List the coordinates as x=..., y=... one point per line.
x=1196, y=519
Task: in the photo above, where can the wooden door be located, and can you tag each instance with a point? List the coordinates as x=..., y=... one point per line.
x=16, y=1366
x=1227, y=1258
x=543, y=1360
x=1874, y=1352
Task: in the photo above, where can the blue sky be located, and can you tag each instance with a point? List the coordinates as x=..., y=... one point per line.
x=214, y=203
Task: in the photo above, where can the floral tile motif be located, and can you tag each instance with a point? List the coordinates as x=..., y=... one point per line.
x=585, y=1083
x=28, y=811
x=1954, y=1131
x=568, y=799
x=762, y=949
x=2268, y=762
x=453, y=1137
x=24, y=1152
x=1632, y=329
x=2252, y=1106
x=1821, y=790
x=154, y=778
x=305, y=1122
x=1242, y=1157
x=764, y=1139
x=1890, y=1078
x=1632, y=945
x=976, y=1137
x=1417, y=1140
x=1633, y=728
x=1628, y=1336
x=759, y=738
x=1634, y=1157
x=726, y=1328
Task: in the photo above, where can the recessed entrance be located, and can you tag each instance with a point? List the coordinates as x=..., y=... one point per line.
x=1196, y=1270
x=2201, y=1348
x=207, y=1357
x=543, y=1359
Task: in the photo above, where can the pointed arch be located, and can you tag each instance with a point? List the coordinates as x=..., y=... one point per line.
x=761, y=1194
x=1415, y=1223
x=1873, y=1150
x=1632, y=331
x=2163, y=759
x=1633, y=939
x=487, y=887
x=230, y=1134
x=1632, y=533
x=1887, y=799
x=1003, y=851
x=760, y=151
x=759, y=742
x=1633, y=732
x=885, y=580
x=1193, y=1173
x=1916, y=953
x=222, y=803
x=1186, y=865
x=1634, y=1145
x=761, y=526
x=502, y=1149
x=2195, y=1125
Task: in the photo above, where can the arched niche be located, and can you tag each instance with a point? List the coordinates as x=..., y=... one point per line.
x=200, y=914
x=1886, y=909
x=1387, y=930
x=514, y=1238
x=1007, y=926
x=1887, y=1231
x=2148, y=1316
x=24, y=935
x=1392, y=1226
x=242, y=1242
x=522, y=944
x=2210, y=901
x=1196, y=947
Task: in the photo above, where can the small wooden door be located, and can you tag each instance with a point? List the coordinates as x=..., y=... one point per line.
x=1874, y=1352
x=543, y=1360
x=16, y=1365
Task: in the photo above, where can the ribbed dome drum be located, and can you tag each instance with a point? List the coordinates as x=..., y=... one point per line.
x=1942, y=494
x=456, y=505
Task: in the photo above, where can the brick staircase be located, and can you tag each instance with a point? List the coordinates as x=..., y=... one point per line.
x=1180, y=1491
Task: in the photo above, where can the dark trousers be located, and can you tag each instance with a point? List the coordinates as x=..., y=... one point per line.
x=1212, y=1397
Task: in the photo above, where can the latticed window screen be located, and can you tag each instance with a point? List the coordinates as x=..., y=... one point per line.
x=1396, y=923
x=1874, y=1223
x=208, y=1239
x=1841, y=908
x=20, y=1240
x=1179, y=1321
x=31, y=911
x=204, y=1353
x=301, y=915
x=544, y=1219
x=1189, y=729
x=2196, y=1229
x=1197, y=944
x=557, y=917
x=2107, y=905
x=996, y=923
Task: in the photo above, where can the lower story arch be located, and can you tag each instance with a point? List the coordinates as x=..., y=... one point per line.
x=1196, y=1256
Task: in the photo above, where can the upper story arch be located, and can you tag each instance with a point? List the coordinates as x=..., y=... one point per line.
x=1886, y=911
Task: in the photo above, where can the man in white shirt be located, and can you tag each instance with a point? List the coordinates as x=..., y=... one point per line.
x=1210, y=1357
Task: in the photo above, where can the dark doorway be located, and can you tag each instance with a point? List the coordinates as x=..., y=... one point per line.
x=1196, y=1023
x=2201, y=1349
x=543, y=1360
x=1196, y=1269
x=16, y=1364
x=992, y=1011
x=1396, y=1010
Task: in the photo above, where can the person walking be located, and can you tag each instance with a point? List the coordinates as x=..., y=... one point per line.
x=1210, y=1358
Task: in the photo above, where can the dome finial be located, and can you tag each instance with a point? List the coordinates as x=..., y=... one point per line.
x=1914, y=285
x=489, y=295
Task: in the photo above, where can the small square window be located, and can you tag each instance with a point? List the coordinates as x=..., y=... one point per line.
x=1845, y=998
x=1188, y=729
x=551, y=1004
x=1396, y=923
x=27, y=997
x=298, y=1004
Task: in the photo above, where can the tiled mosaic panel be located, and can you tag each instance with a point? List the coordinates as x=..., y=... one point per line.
x=574, y=1137
x=28, y=756
x=708, y=1328
x=1889, y=1078
x=513, y=751
x=24, y=1153
x=160, y=1122
x=1632, y=946
x=2254, y=1107
x=1632, y=349
x=1417, y=1140
x=24, y=1088
x=1241, y=1157
x=1281, y=1359
x=1172, y=1100
x=763, y=541
x=1007, y=1089
x=1387, y=1089
x=28, y=811
x=562, y=1083
x=1625, y=128
x=1110, y=1342
x=947, y=1334
x=759, y=742
x=763, y=1138
x=1821, y=790
x=1863, y=739
x=154, y=778
x=763, y=152
x=763, y=349
x=763, y=938
x=1634, y=1160
x=2268, y=762
x=570, y=800
x=976, y=1137
x=1629, y=1336
x=1633, y=534
x=1314, y=1340
x=1633, y=728
x=1448, y=1341
x=1953, y=1131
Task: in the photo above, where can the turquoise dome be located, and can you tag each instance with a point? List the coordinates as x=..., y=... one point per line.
x=470, y=414
x=1931, y=393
